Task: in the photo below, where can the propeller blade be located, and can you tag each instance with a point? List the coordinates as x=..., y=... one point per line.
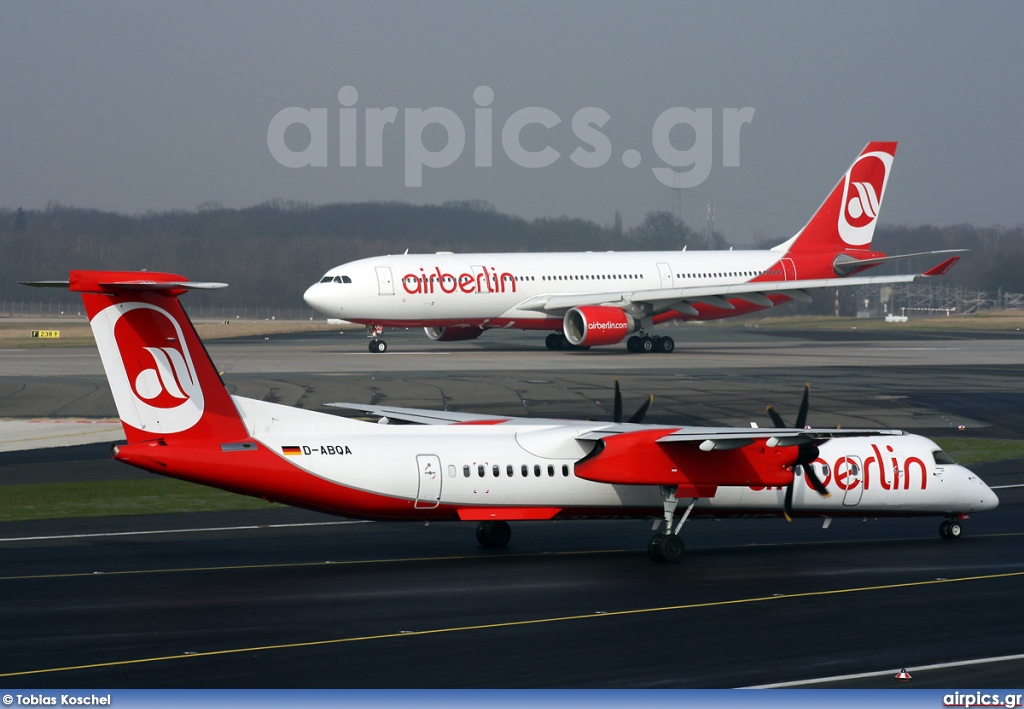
x=819, y=487
x=801, y=417
x=776, y=419
x=617, y=410
x=638, y=417
x=787, y=506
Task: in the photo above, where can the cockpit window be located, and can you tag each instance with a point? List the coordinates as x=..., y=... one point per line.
x=326, y=279
x=942, y=459
x=335, y=279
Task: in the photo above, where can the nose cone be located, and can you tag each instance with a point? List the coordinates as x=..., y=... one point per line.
x=989, y=499
x=317, y=296
x=980, y=496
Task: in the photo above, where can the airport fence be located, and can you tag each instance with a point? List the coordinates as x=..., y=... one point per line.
x=923, y=299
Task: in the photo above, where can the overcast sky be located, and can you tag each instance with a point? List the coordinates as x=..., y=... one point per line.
x=153, y=106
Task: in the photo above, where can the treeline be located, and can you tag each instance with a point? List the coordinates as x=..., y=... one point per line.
x=271, y=252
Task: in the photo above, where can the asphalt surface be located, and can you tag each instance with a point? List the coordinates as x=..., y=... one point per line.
x=287, y=598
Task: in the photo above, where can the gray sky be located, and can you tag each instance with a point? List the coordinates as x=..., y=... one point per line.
x=165, y=105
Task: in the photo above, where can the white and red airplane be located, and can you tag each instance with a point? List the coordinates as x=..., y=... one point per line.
x=179, y=420
x=603, y=298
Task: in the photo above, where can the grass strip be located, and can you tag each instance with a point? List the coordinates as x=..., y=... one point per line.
x=116, y=497
x=980, y=450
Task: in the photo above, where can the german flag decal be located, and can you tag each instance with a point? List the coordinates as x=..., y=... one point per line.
x=291, y=450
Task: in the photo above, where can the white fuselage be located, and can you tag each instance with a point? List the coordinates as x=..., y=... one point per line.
x=532, y=464
x=485, y=289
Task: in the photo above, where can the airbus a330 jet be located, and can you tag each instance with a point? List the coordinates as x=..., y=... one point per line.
x=179, y=420
x=590, y=299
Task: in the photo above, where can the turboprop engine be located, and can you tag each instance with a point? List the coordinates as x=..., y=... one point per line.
x=453, y=334
x=592, y=325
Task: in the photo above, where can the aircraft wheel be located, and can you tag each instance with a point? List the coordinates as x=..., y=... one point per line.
x=666, y=344
x=563, y=343
x=646, y=345
x=553, y=342
x=652, y=547
x=670, y=548
x=493, y=534
x=633, y=344
x=951, y=529
x=378, y=346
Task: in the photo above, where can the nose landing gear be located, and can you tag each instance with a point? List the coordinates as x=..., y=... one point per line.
x=951, y=529
x=376, y=345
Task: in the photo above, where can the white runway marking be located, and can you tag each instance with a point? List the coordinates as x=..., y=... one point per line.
x=181, y=531
x=882, y=673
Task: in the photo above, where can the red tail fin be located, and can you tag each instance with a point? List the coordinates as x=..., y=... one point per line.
x=846, y=219
x=163, y=381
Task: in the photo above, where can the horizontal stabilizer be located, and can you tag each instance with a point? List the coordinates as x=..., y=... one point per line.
x=108, y=281
x=845, y=263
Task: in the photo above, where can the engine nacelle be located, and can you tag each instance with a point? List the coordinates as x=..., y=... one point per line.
x=453, y=334
x=592, y=325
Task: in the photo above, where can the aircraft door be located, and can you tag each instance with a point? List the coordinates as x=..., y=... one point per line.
x=481, y=281
x=428, y=494
x=788, y=269
x=666, y=275
x=384, y=282
x=854, y=479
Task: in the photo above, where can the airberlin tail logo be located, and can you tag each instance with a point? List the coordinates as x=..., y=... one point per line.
x=862, y=197
x=165, y=379
x=150, y=368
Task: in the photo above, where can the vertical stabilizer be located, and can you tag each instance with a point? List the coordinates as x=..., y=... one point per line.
x=845, y=222
x=163, y=381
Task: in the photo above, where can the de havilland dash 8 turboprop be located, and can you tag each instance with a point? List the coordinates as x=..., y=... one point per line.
x=591, y=299
x=179, y=420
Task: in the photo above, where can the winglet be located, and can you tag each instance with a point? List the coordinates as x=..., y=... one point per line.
x=943, y=268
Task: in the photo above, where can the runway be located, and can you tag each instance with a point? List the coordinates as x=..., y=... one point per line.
x=286, y=598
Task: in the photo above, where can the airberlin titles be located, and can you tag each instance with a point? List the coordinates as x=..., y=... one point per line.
x=848, y=473
x=488, y=280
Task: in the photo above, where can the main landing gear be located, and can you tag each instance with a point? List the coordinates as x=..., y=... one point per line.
x=667, y=546
x=558, y=341
x=643, y=344
x=493, y=534
x=376, y=345
x=951, y=529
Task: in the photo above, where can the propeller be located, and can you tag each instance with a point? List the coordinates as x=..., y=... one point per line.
x=806, y=454
x=637, y=417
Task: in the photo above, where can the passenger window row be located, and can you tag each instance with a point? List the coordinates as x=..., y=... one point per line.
x=510, y=471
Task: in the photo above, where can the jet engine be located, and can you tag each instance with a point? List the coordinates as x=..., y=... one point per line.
x=453, y=334
x=591, y=325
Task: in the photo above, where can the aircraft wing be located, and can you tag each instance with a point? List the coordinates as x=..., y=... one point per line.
x=421, y=416
x=645, y=303
x=731, y=437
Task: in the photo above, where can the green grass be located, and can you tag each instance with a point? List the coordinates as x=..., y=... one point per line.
x=116, y=497
x=980, y=450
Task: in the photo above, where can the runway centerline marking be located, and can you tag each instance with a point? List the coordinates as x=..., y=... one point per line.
x=405, y=634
